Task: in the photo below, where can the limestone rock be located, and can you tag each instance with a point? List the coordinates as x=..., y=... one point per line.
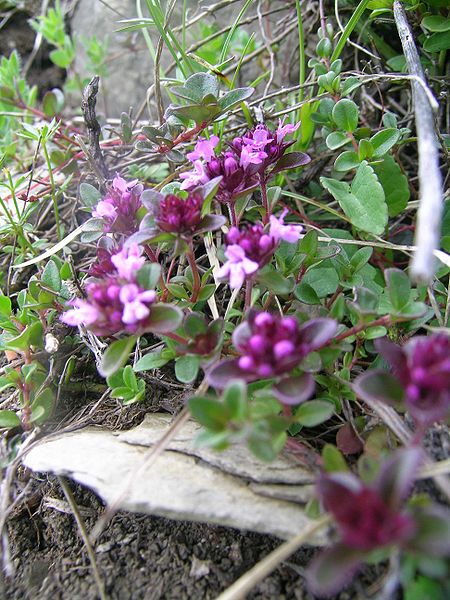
x=237, y=460
x=178, y=484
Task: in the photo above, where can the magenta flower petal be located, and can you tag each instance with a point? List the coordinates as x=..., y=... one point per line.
x=279, y=231
x=128, y=262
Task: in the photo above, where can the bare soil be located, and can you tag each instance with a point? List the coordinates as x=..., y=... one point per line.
x=138, y=556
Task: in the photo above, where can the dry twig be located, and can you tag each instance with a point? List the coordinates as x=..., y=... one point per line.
x=430, y=180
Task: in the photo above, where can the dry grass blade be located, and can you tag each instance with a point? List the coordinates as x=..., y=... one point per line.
x=147, y=462
x=398, y=427
x=244, y=584
x=85, y=537
x=431, y=193
x=149, y=459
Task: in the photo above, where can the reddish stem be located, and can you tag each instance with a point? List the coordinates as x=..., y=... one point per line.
x=265, y=201
x=195, y=274
x=184, y=137
x=385, y=321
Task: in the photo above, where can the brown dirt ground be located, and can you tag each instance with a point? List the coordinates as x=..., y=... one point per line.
x=139, y=557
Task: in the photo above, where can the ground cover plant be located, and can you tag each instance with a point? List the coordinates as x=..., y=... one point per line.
x=254, y=241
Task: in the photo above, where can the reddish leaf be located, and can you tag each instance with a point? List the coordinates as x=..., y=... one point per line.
x=332, y=570
x=347, y=440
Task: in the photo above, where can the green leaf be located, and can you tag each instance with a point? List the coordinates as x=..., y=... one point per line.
x=148, y=275
x=126, y=126
x=5, y=306
x=394, y=183
x=309, y=244
x=51, y=277
x=116, y=379
x=116, y=355
x=323, y=280
x=52, y=102
x=152, y=360
x=261, y=447
x=197, y=87
x=333, y=459
x=346, y=161
x=275, y=281
x=209, y=412
x=61, y=58
x=437, y=42
x=346, y=114
x=350, y=84
x=206, y=292
x=235, y=400
x=8, y=419
x=218, y=440
x=366, y=301
x=164, y=318
x=195, y=324
x=194, y=112
x=129, y=378
x=360, y=258
x=306, y=293
x=234, y=97
x=383, y=141
x=363, y=202
x=314, y=412
x=123, y=393
x=336, y=140
x=436, y=23
x=42, y=406
x=177, y=291
x=423, y=588
x=365, y=149
x=398, y=288
x=186, y=368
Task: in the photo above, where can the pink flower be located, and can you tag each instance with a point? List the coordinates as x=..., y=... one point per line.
x=195, y=177
x=83, y=313
x=236, y=180
x=237, y=267
x=112, y=307
x=128, y=261
x=204, y=149
x=279, y=231
x=423, y=367
x=123, y=186
x=271, y=345
x=284, y=130
x=249, y=156
x=119, y=208
x=135, y=303
x=105, y=209
x=260, y=138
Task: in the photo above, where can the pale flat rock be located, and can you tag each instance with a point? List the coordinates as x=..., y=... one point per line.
x=300, y=494
x=237, y=460
x=177, y=485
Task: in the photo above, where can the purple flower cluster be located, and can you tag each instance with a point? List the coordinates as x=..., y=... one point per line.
x=272, y=345
x=375, y=516
x=240, y=167
x=118, y=210
x=176, y=215
x=116, y=302
x=251, y=248
x=423, y=367
x=262, y=147
x=365, y=519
